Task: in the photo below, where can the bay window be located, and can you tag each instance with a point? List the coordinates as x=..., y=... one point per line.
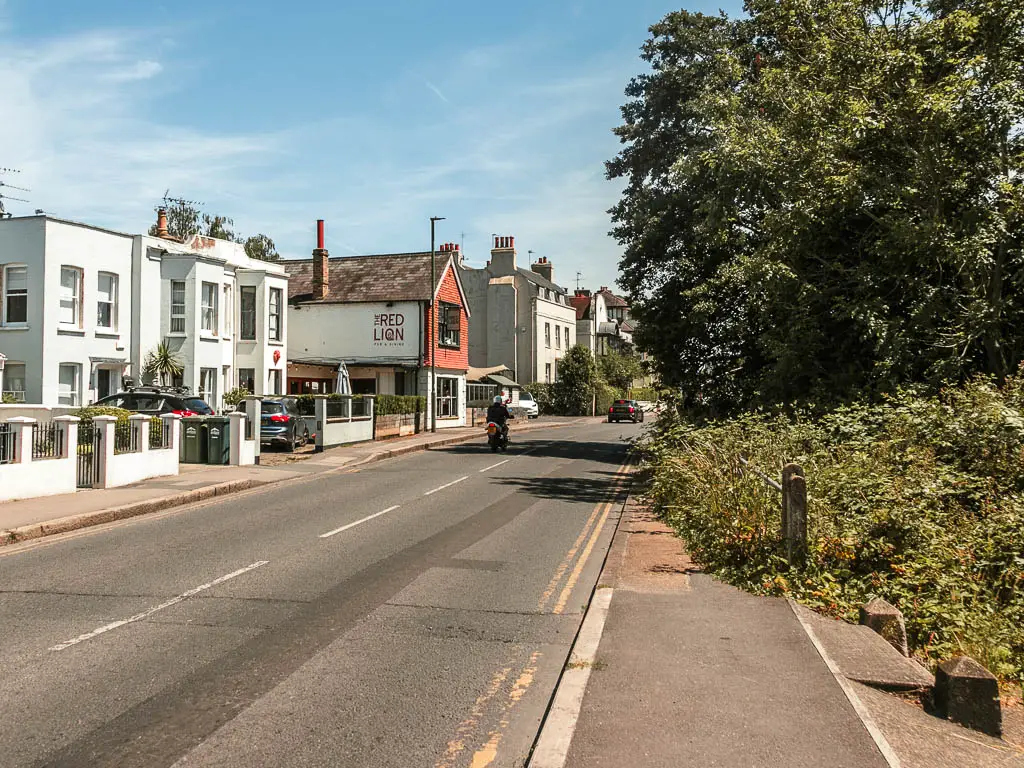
x=275, y=314
x=177, y=306
x=247, y=312
x=209, y=308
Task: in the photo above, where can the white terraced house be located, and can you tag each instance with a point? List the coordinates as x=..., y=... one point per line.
x=82, y=306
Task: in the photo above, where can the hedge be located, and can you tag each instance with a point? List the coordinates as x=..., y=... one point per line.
x=88, y=413
x=383, y=405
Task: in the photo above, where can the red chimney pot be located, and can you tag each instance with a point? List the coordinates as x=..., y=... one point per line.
x=320, y=233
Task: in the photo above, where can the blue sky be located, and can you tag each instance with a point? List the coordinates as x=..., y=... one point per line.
x=371, y=115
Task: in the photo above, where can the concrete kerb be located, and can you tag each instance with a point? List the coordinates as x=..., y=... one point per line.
x=126, y=511
x=123, y=512
x=558, y=725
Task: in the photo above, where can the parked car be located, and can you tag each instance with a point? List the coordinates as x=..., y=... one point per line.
x=281, y=423
x=629, y=410
x=529, y=405
x=156, y=401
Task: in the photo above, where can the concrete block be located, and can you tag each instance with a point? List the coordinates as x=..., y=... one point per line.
x=967, y=693
x=886, y=619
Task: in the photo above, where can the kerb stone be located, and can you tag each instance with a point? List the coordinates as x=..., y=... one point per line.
x=886, y=619
x=967, y=693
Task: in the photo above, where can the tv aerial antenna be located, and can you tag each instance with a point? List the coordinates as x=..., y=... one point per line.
x=4, y=184
x=181, y=201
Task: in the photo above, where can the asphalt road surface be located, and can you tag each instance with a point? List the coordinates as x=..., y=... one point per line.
x=416, y=612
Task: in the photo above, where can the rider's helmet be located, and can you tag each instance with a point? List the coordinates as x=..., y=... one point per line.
x=498, y=400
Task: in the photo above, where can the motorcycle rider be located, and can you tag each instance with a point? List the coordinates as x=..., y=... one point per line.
x=499, y=413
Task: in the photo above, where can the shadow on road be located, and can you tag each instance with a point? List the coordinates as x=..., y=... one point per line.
x=564, y=450
x=590, y=488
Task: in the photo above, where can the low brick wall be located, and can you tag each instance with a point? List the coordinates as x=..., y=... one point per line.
x=397, y=425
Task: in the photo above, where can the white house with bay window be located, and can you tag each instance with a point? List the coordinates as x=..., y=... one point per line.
x=82, y=306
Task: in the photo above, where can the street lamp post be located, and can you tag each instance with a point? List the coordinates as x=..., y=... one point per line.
x=432, y=335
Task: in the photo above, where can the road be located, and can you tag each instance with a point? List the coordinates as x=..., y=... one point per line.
x=416, y=612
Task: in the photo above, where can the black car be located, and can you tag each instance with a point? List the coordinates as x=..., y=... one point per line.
x=282, y=424
x=628, y=410
x=156, y=401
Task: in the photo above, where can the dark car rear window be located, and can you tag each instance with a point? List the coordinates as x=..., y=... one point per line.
x=144, y=402
x=272, y=407
x=623, y=402
x=196, y=405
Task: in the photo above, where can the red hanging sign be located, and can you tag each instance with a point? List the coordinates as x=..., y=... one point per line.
x=277, y=356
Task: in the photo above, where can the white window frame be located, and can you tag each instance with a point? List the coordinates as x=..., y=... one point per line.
x=228, y=311
x=114, y=281
x=547, y=373
x=558, y=337
x=74, y=397
x=250, y=314
x=75, y=299
x=250, y=375
x=8, y=389
x=567, y=337
x=274, y=382
x=547, y=335
x=208, y=386
x=8, y=295
x=275, y=318
x=179, y=316
x=447, y=404
x=208, y=309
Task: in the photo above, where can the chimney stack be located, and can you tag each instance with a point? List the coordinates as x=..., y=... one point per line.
x=321, y=276
x=544, y=268
x=161, y=224
x=503, y=256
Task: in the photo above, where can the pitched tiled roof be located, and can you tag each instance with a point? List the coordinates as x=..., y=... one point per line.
x=582, y=304
x=386, y=277
x=611, y=300
x=540, y=280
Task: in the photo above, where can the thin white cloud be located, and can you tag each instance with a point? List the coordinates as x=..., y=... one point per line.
x=140, y=70
x=436, y=90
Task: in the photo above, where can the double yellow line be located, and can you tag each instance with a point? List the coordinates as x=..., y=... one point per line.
x=600, y=513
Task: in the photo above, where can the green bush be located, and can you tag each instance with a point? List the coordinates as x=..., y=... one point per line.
x=918, y=500
x=542, y=394
x=647, y=394
x=88, y=413
x=390, y=404
x=605, y=394
x=235, y=396
x=384, y=404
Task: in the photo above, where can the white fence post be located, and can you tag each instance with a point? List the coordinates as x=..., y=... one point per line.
x=253, y=412
x=172, y=422
x=105, y=426
x=320, y=412
x=23, y=426
x=140, y=430
x=67, y=428
x=236, y=435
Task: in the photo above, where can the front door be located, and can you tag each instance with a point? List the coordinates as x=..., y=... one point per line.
x=103, y=383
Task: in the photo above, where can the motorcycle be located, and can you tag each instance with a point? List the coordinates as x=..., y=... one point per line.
x=496, y=437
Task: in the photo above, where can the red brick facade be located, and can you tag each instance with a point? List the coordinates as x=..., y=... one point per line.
x=448, y=357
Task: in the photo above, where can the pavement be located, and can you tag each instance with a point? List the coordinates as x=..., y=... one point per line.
x=48, y=515
x=675, y=668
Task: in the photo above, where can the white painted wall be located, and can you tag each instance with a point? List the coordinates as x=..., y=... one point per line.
x=28, y=479
x=560, y=317
x=366, y=333
x=127, y=468
x=444, y=423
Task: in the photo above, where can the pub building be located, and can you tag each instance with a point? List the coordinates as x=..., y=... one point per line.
x=365, y=325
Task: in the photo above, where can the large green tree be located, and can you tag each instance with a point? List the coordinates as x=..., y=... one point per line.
x=824, y=197
x=573, y=391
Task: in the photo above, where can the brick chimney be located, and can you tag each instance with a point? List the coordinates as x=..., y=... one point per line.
x=544, y=268
x=503, y=256
x=321, y=274
x=161, y=224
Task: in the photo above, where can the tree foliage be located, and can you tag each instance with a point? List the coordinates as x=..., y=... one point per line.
x=824, y=198
x=161, y=365
x=185, y=220
x=619, y=368
x=573, y=392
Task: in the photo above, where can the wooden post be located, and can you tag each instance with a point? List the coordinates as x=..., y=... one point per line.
x=788, y=472
x=796, y=535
